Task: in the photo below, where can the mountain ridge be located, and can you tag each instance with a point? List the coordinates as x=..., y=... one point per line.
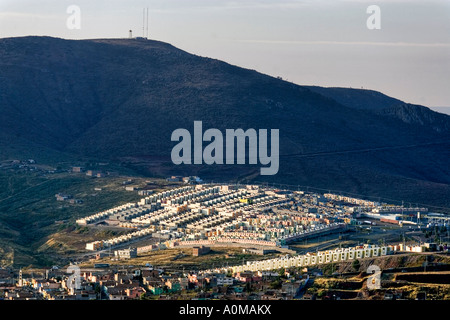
x=120, y=99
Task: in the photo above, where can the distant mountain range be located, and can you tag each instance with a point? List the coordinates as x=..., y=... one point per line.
x=120, y=99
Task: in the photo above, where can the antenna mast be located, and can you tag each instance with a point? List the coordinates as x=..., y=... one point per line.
x=147, y=24
x=143, y=22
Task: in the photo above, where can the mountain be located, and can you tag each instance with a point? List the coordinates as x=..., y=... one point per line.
x=358, y=98
x=379, y=103
x=121, y=99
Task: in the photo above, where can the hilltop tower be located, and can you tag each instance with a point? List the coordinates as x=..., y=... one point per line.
x=145, y=23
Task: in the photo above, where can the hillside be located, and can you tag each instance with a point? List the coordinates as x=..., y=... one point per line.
x=379, y=103
x=120, y=99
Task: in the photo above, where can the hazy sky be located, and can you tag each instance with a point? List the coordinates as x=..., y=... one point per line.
x=322, y=42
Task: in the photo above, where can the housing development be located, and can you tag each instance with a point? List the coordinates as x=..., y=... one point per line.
x=269, y=227
x=204, y=214
x=248, y=215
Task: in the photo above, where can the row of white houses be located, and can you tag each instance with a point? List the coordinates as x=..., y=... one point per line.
x=133, y=210
x=311, y=259
x=99, y=245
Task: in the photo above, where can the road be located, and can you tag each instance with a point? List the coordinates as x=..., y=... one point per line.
x=327, y=153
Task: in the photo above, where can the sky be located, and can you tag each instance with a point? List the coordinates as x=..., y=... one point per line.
x=309, y=42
